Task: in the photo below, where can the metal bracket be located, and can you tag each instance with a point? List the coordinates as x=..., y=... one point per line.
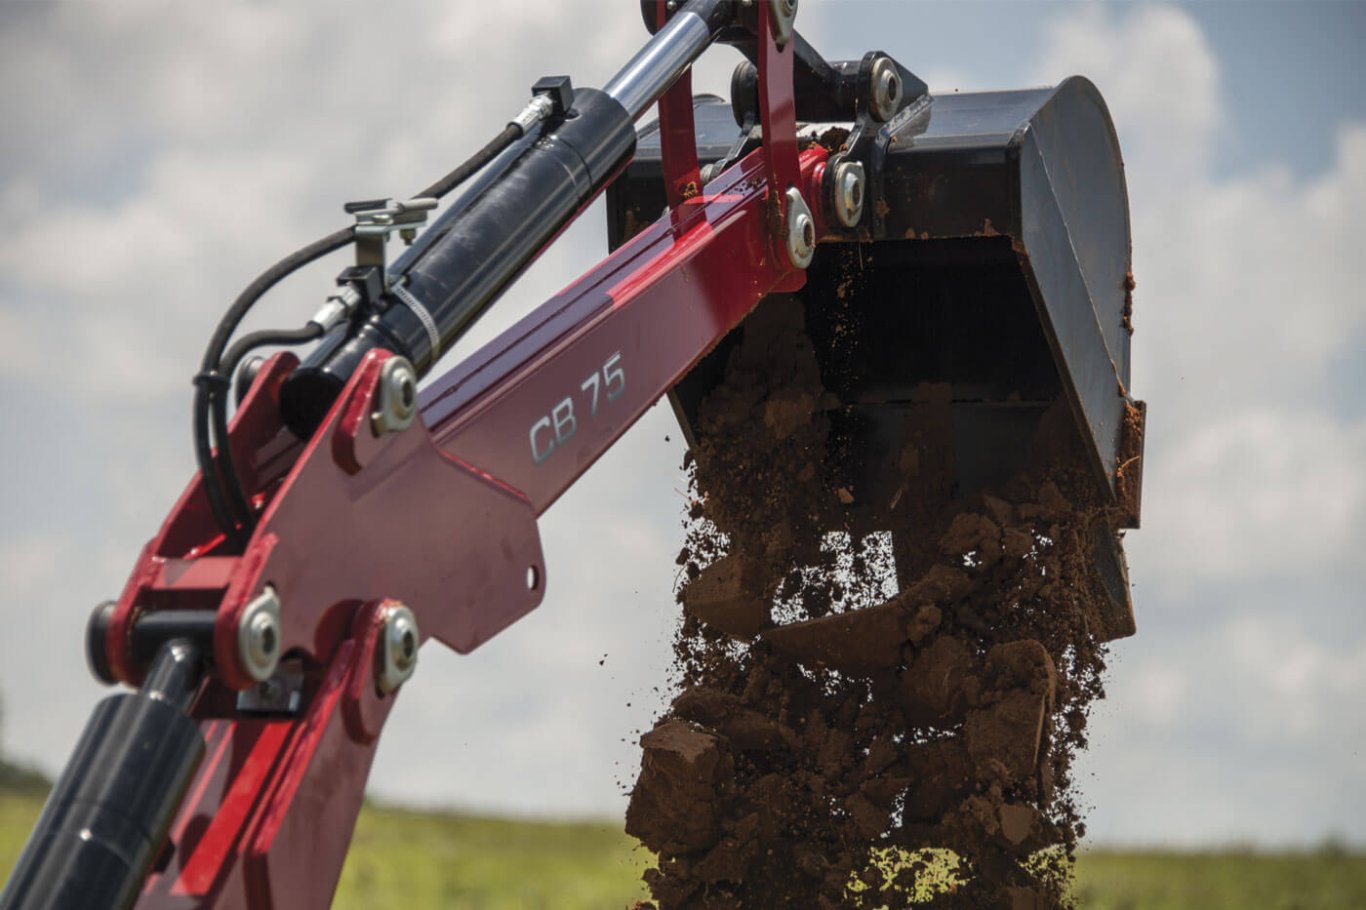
x=777, y=112
x=376, y=219
x=282, y=694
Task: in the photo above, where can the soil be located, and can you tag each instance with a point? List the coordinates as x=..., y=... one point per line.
x=838, y=736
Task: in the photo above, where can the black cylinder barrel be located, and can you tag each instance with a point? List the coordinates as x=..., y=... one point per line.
x=108, y=815
x=474, y=256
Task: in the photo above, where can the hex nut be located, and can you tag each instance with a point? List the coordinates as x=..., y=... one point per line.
x=396, y=653
x=849, y=180
x=395, y=397
x=800, y=230
x=885, y=88
x=258, y=636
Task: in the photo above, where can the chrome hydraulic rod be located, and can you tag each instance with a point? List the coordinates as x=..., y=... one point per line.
x=658, y=64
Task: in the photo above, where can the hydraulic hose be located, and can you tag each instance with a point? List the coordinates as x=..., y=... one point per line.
x=222, y=485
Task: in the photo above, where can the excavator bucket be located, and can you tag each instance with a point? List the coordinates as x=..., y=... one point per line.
x=980, y=323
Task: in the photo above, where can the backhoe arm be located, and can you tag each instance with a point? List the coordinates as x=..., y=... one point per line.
x=267, y=655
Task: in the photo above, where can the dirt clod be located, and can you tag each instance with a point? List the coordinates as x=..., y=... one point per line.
x=857, y=641
x=720, y=598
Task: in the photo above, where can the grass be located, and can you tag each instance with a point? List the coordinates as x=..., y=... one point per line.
x=18, y=811
x=1151, y=880
x=405, y=860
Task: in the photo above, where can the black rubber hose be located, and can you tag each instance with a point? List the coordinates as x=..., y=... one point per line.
x=222, y=486
x=212, y=385
x=227, y=468
x=496, y=146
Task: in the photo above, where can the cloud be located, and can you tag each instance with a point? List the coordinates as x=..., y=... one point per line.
x=1155, y=67
x=1262, y=493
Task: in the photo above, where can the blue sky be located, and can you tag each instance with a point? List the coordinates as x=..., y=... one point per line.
x=194, y=144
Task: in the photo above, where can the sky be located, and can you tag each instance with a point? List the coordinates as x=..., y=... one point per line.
x=156, y=156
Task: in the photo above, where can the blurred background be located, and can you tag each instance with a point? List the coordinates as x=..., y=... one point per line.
x=155, y=156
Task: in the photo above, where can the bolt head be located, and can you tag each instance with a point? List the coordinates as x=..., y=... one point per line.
x=398, y=648
x=395, y=397
x=258, y=636
x=849, y=182
x=403, y=645
x=885, y=89
x=801, y=230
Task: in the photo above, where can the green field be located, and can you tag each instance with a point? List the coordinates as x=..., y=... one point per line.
x=408, y=860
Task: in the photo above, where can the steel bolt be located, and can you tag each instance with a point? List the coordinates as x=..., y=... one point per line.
x=397, y=651
x=801, y=230
x=849, y=180
x=886, y=89
x=395, y=397
x=258, y=636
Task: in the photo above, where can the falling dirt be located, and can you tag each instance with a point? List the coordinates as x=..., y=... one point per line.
x=840, y=739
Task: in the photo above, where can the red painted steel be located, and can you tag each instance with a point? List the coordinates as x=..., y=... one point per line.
x=174, y=568
x=778, y=114
x=350, y=519
x=268, y=819
x=678, y=134
x=653, y=309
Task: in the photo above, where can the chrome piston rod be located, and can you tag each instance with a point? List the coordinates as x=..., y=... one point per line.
x=665, y=57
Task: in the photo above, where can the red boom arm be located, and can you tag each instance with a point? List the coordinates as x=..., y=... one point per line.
x=440, y=517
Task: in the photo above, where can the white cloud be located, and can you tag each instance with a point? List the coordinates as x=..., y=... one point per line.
x=1158, y=75
x=1256, y=493
x=1300, y=682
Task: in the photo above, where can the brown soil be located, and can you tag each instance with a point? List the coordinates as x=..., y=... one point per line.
x=825, y=734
